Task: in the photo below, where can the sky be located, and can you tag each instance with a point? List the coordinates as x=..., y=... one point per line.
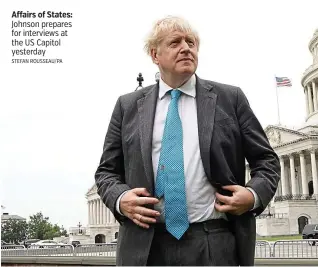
x=54, y=117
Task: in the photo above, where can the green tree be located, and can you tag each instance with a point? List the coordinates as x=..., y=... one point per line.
x=63, y=231
x=38, y=226
x=14, y=231
x=54, y=231
x=41, y=228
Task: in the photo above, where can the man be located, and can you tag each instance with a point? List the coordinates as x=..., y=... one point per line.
x=173, y=165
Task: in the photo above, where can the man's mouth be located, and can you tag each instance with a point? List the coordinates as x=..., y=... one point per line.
x=185, y=59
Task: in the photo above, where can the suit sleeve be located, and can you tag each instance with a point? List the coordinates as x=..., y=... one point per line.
x=263, y=161
x=110, y=174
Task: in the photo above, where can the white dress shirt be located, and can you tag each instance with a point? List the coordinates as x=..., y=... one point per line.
x=200, y=194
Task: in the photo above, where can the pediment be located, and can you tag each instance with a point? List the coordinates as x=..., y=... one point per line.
x=278, y=135
x=92, y=190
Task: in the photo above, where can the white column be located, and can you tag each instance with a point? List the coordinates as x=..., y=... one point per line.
x=89, y=212
x=101, y=212
x=104, y=212
x=283, y=177
x=98, y=211
x=310, y=99
x=292, y=174
x=314, y=92
x=110, y=217
x=304, y=183
x=93, y=212
x=314, y=171
x=280, y=188
x=314, y=89
x=247, y=178
x=106, y=215
x=307, y=100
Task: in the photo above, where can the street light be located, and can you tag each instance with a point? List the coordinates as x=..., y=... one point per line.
x=140, y=79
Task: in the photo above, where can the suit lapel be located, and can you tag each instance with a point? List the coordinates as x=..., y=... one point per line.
x=206, y=104
x=146, y=110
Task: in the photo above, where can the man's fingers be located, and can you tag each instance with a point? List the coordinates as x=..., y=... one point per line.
x=144, y=219
x=146, y=212
x=223, y=199
x=141, y=191
x=146, y=200
x=228, y=208
x=132, y=206
x=223, y=208
x=141, y=224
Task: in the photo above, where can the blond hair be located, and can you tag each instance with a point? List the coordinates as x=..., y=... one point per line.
x=167, y=25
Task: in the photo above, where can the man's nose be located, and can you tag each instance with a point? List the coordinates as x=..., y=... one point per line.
x=185, y=47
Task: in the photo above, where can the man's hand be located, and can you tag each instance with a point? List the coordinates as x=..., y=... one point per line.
x=131, y=205
x=241, y=201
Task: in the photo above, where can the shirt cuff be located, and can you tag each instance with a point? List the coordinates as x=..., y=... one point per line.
x=118, y=202
x=257, y=202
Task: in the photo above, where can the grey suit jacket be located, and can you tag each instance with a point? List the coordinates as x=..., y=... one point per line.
x=229, y=132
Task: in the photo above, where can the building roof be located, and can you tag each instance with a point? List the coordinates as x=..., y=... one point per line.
x=285, y=129
x=6, y=216
x=92, y=190
x=279, y=140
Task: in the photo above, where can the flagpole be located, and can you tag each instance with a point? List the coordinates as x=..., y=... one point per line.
x=277, y=101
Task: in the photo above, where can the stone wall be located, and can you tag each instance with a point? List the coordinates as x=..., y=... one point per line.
x=272, y=226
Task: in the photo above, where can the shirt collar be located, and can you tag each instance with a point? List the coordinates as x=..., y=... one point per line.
x=188, y=88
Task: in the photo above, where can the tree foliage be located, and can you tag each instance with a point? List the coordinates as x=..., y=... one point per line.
x=14, y=231
x=38, y=227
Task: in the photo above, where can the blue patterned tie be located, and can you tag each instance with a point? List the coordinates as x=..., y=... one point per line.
x=170, y=181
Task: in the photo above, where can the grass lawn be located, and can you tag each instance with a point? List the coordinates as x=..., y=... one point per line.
x=281, y=237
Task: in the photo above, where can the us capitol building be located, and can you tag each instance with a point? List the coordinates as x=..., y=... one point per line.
x=295, y=202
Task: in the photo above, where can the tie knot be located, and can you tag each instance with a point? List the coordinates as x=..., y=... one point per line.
x=175, y=93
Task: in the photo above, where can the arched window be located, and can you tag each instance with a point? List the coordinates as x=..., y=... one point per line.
x=302, y=221
x=100, y=238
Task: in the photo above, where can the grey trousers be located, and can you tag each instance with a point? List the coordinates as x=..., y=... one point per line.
x=208, y=243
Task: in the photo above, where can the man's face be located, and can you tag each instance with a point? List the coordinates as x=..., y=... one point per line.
x=177, y=54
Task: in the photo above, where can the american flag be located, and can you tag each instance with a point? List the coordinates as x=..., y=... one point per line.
x=283, y=81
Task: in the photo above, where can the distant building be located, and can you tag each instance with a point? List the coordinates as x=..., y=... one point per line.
x=102, y=226
x=295, y=202
x=6, y=216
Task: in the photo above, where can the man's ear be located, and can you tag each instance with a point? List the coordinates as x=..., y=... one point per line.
x=154, y=53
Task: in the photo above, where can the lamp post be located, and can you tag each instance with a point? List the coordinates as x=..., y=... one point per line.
x=140, y=79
